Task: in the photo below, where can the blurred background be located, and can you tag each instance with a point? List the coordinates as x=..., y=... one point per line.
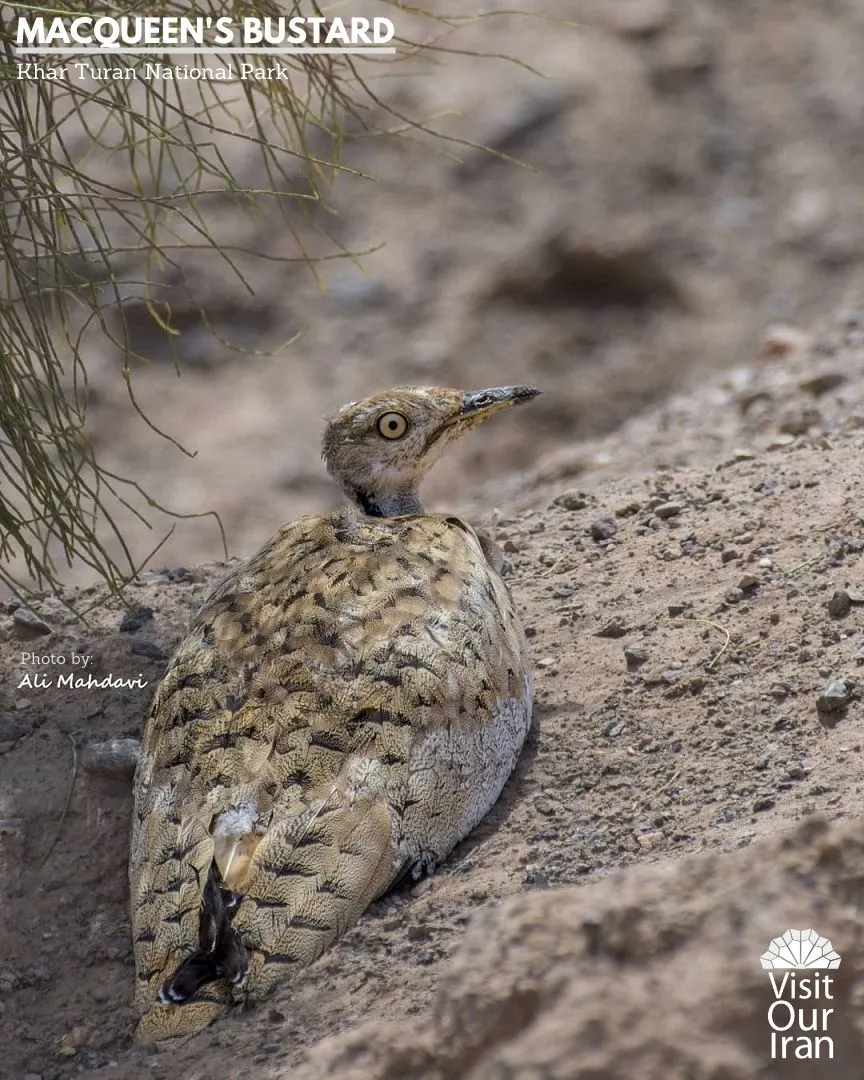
x=692, y=172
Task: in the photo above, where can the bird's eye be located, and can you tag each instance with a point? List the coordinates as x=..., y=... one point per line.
x=392, y=425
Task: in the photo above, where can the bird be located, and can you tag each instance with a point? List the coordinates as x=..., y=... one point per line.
x=346, y=706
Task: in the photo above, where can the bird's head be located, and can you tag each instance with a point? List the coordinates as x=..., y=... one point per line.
x=379, y=449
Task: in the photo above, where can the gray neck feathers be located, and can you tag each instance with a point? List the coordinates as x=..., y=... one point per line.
x=393, y=505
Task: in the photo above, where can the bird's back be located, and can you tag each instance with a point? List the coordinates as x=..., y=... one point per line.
x=346, y=707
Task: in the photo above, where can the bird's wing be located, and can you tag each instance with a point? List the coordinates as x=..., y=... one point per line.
x=347, y=704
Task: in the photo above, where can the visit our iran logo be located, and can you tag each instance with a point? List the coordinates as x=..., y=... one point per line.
x=800, y=1031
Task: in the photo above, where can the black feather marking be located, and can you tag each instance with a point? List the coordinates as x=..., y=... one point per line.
x=280, y=958
x=327, y=740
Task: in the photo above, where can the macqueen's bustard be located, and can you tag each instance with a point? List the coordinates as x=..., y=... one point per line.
x=347, y=705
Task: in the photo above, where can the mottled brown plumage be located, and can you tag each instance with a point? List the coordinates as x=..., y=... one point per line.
x=345, y=708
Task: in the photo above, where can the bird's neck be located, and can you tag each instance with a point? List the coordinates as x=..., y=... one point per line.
x=394, y=504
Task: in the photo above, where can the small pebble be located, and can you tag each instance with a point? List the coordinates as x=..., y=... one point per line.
x=604, y=528
x=834, y=697
x=117, y=756
x=11, y=729
x=668, y=509
x=733, y=596
x=149, y=649
x=729, y=555
x=133, y=620
x=571, y=500
x=635, y=656
x=26, y=624
x=749, y=581
x=821, y=384
x=546, y=805
x=615, y=628
x=839, y=604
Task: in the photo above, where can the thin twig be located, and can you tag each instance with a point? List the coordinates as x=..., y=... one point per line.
x=68, y=803
x=713, y=625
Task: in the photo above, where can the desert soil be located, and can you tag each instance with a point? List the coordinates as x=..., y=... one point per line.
x=683, y=534
x=697, y=635
x=692, y=173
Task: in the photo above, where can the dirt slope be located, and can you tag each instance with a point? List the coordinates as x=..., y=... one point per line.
x=694, y=173
x=697, y=635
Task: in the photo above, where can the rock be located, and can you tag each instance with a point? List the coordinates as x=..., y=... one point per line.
x=729, y=555
x=548, y=805
x=112, y=756
x=733, y=596
x=749, y=582
x=134, y=619
x=615, y=628
x=149, y=649
x=571, y=500
x=835, y=696
x=536, y=877
x=635, y=656
x=27, y=625
x=11, y=728
x=839, y=604
x=668, y=509
x=799, y=421
x=822, y=383
x=603, y=528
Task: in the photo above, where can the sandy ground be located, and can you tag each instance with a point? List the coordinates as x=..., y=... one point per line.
x=697, y=634
x=683, y=536
x=692, y=173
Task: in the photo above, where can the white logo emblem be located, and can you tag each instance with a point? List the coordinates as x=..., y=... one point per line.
x=800, y=949
x=799, y=1026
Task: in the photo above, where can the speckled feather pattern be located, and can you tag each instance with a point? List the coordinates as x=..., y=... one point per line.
x=345, y=708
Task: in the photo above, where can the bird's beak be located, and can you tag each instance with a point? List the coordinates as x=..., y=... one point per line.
x=476, y=405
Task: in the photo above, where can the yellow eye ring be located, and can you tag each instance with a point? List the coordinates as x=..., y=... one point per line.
x=392, y=425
